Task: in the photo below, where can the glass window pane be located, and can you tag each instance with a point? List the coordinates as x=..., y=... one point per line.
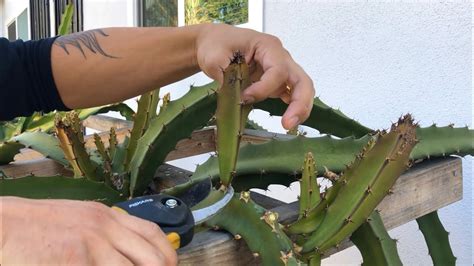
x=22, y=21
x=12, y=31
x=162, y=13
x=233, y=12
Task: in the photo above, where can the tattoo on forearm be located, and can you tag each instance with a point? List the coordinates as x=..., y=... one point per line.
x=87, y=39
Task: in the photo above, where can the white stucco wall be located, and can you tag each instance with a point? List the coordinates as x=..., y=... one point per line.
x=377, y=61
x=108, y=13
x=11, y=9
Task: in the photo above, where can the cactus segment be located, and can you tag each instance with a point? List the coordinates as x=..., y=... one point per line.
x=72, y=130
x=122, y=108
x=181, y=117
x=8, y=150
x=43, y=143
x=375, y=244
x=105, y=157
x=309, y=189
x=140, y=122
x=155, y=99
x=284, y=156
x=258, y=228
x=333, y=154
x=437, y=239
x=367, y=181
x=323, y=118
x=66, y=146
x=118, y=160
x=59, y=187
x=231, y=116
x=315, y=216
x=315, y=260
x=442, y=141
x=254, y=125
x=113, y=141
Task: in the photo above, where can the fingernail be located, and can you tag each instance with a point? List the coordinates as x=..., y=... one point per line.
x=248, y=99
x=294, y=121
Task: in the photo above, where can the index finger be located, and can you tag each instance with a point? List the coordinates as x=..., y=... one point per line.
x=301, y=102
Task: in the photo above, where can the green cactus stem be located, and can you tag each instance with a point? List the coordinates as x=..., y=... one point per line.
x=309, y=187
x=231, y=116
x=75, y=138
x=113, y=141
x=315, y=216
x=59, y=187
x=315, y=260
x=277, y=157
x=180, y=118
x=254, y=125
x=140, y=123
x=8, y=150
x=155, y=99
x=43, y=143
x=366, y=182
x=442, y=141
x=375, y=244
x=437, y=239
x=323, y=118
x=258, y=227
x=105, y=157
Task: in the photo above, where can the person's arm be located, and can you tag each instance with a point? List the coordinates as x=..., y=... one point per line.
x=113, y=64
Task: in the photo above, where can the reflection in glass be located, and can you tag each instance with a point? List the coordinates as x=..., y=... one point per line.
x=160, y=13
x=233, y=12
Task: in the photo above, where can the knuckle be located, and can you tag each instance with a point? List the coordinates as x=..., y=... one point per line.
x=275, y=40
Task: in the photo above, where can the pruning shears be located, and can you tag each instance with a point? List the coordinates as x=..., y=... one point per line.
x=173, y=214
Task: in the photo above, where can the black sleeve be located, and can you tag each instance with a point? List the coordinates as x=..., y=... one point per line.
x=26, y=79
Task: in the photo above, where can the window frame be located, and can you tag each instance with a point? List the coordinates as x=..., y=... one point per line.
x=15, y=20
x=16, y=29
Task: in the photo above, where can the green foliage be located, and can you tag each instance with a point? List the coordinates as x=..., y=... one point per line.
x=231, y=116
x=369, y=163
x=233, y=12
x=59, y=187
x=44, y=143
x=309, y=189
x=437, y=239
x=66, y=20
x=375, y=244
x=325, y=119
x=365, y=183
x=258, y=227
x=176, y=122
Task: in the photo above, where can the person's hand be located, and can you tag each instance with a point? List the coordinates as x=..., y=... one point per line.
x=83, y=233
x=274, y=73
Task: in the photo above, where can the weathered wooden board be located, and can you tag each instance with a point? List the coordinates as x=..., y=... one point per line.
x=426, y=187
